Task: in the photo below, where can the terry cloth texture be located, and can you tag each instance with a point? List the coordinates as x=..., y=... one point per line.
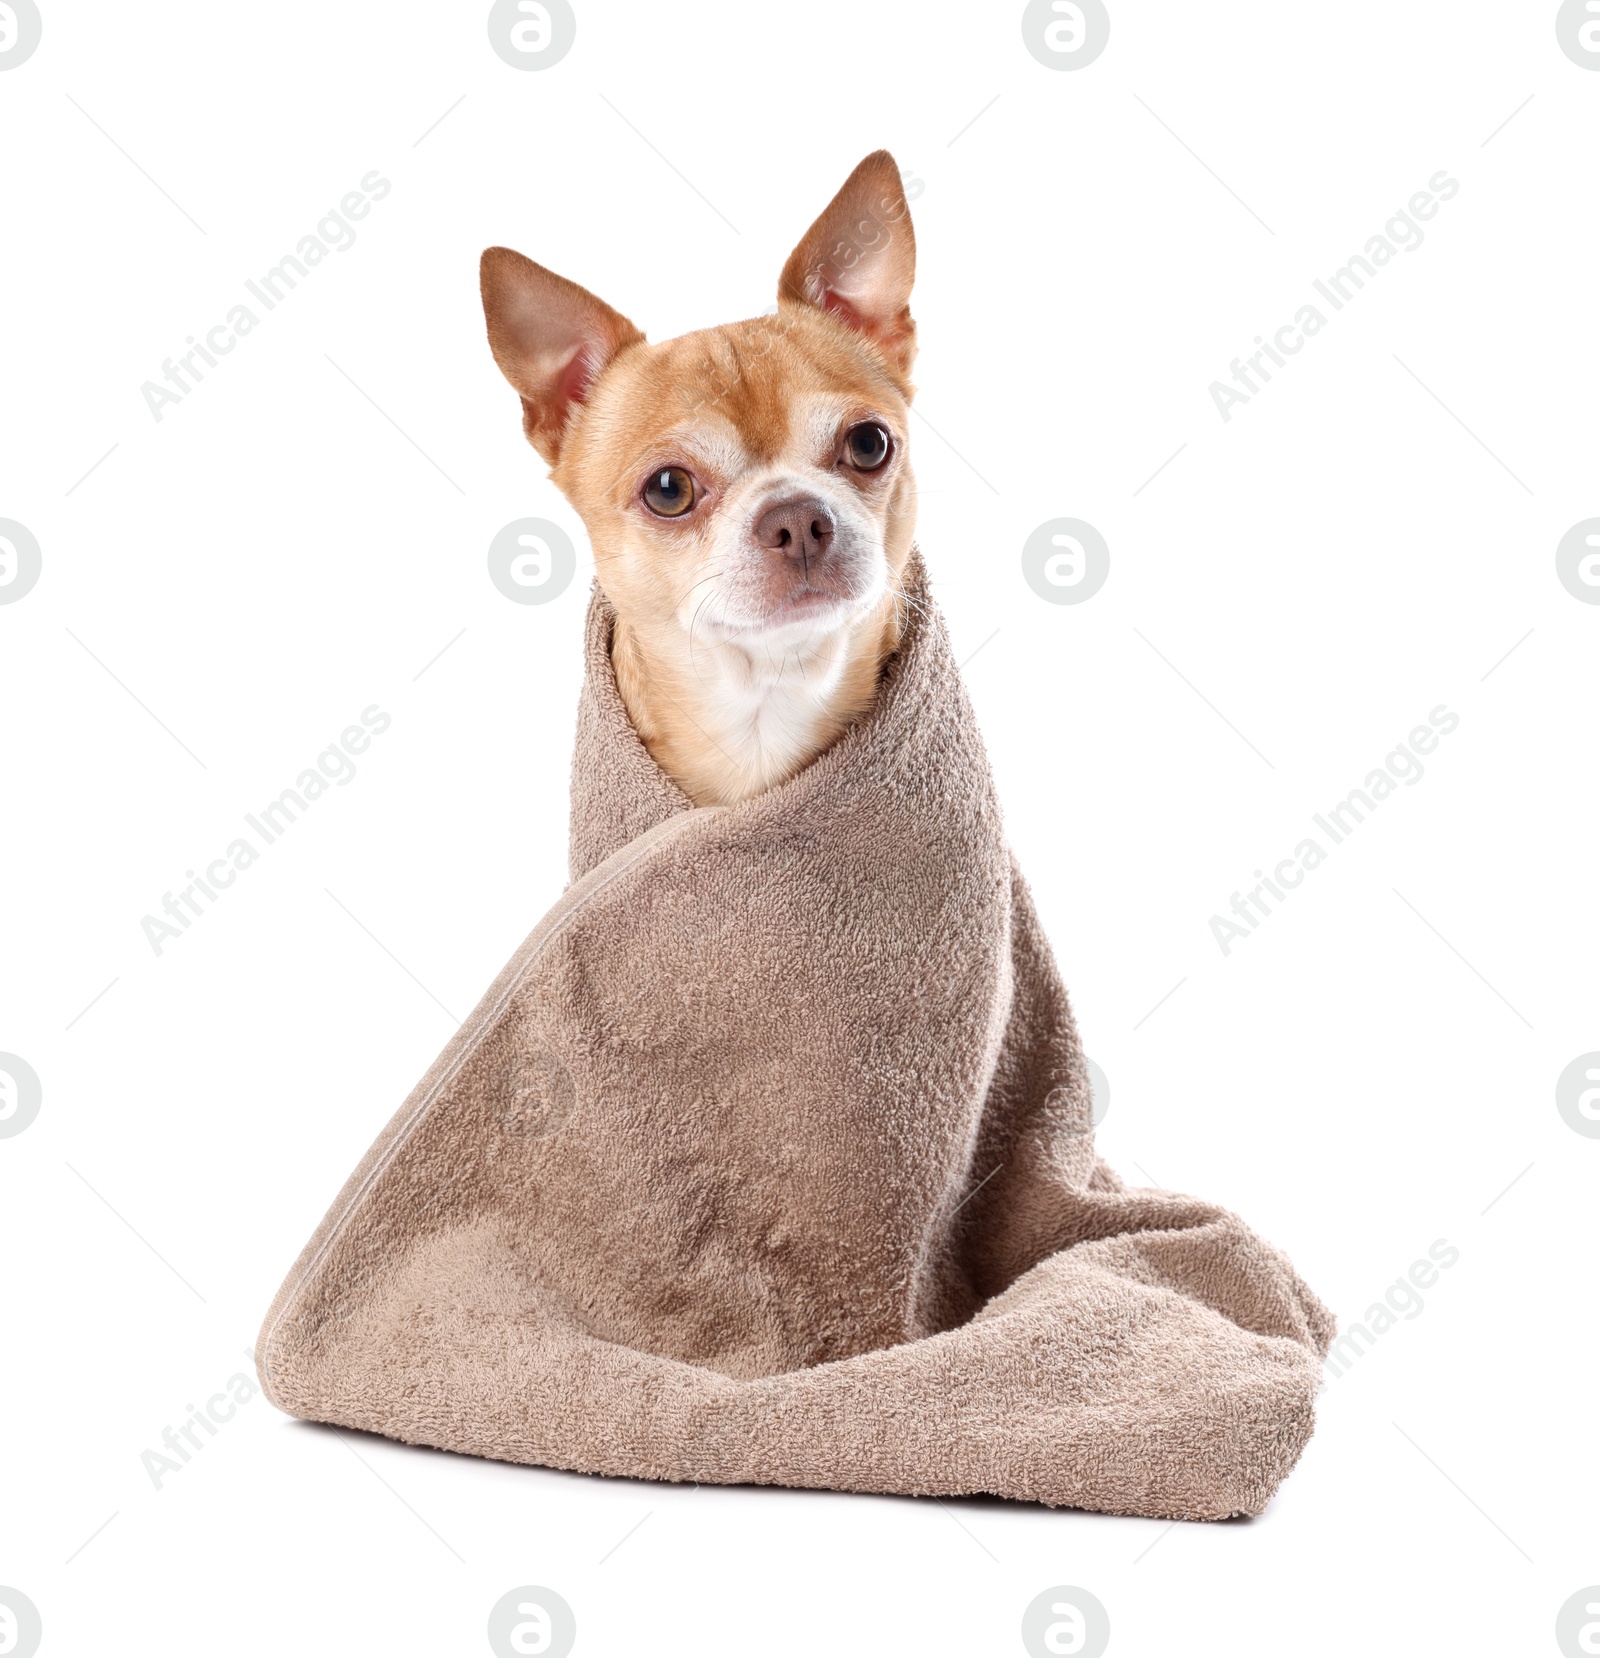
x=768, y=1159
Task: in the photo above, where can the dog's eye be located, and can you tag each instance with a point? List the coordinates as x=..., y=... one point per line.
x=669, y=493
x=866, y=446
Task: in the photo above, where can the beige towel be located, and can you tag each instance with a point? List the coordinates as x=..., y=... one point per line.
x=768, y=1159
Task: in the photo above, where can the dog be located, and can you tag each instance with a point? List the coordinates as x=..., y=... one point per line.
x=747, y=489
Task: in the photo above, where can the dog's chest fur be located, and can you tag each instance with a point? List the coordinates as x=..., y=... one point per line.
x=765, y=712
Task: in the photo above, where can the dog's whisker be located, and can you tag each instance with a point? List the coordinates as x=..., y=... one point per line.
x=694, y=620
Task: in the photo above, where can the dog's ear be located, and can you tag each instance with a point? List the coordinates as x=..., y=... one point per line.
x=551, y=339
x=858, y=260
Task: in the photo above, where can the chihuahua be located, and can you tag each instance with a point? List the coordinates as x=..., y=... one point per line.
x=747, y=489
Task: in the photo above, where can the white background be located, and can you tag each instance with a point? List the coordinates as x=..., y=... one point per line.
x=1361, y=543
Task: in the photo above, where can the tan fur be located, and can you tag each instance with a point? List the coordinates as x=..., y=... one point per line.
x=730, y=690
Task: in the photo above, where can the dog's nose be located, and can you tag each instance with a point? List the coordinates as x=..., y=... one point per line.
x=800, y=528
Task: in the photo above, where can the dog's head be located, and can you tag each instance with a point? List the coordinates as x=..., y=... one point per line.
x=748, y=483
